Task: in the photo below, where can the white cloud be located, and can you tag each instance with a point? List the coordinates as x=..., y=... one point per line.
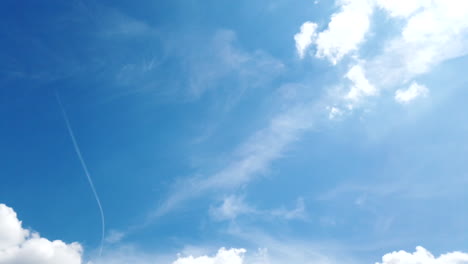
x=438, y=32
x=20, y=246
x=434, y=30
x=428, y=33
x=346, y=31
x=11, y=232
x=224, y=256
x=276, y=251
x=422, y=256
x=414, y=91
x=305, y=37
x=361, y=87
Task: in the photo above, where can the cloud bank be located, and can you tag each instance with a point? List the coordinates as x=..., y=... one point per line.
x=21, y=246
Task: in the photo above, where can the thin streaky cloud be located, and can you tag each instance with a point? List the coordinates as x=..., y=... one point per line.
x=85, y=170
x=252, y=158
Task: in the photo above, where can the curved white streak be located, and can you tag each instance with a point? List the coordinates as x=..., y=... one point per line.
x=85, y=169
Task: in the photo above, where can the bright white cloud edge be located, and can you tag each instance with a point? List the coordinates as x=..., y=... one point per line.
x=412, y=93
x=224, y=256
x=21, y=246
x=423, y=256
x=305, y=38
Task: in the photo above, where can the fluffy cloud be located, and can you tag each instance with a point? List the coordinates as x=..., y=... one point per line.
x=224, y=256
x=428, y=33
x=12, y=233
x=305, y=38
x=20, y=246
x=414, y=91
x=361, y=87
x=346, y=30
x=436, y=32
x=422, y=256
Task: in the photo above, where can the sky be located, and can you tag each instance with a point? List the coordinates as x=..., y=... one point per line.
x=233, y=132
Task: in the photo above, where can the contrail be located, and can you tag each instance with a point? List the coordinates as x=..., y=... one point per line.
x=85, y=169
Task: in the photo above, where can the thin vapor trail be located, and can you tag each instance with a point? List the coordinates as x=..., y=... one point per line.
x=85, y=169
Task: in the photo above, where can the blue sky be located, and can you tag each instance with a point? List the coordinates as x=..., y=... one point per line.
x=255, y=132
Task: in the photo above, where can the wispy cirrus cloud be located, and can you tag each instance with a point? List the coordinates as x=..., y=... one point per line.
x=204, y=67
x=233, y=207
x=252, y=158
x=218, y=58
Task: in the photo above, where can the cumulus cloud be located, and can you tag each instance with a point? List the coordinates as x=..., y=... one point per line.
x=436, y=32
x=361, y=87
x=21, y=246
x=344, y=33
x=422, y=256
x=346, y=30
x=224, y=256
x=305, y=37
x=278, y=252
x=12, y=233
x=428, y=33
x=414, y=91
